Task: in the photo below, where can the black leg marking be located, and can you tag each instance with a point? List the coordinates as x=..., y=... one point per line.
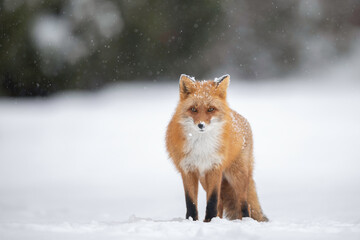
x=211, y=207
x=245, y=209
x=191, y=210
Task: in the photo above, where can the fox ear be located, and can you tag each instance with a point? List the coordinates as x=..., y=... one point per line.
x=222, y=84
x=187, y=85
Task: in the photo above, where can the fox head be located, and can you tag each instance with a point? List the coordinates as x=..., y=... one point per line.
x=203, y=105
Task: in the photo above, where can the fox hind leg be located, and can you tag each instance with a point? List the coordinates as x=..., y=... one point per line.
x=236, y=189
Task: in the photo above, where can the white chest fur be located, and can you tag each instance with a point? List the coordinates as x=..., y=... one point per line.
x=201, y=148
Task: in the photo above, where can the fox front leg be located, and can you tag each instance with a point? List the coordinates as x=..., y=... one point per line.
x=211, y=182
x=191, y=183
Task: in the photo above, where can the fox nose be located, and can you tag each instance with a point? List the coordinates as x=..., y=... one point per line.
x=201, y=125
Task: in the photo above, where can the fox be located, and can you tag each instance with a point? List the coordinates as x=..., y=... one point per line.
x=210, y=143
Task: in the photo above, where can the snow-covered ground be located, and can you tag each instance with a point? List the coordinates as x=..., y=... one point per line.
x=94, y=166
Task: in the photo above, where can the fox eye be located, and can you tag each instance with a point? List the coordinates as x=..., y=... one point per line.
x=211, y=109
x=193, y=109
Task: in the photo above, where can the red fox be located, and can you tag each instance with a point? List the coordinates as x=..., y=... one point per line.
x=211, y=143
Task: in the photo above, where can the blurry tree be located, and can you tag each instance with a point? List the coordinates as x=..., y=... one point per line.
x=267, y=39
x=20, y=73
x=49, y=46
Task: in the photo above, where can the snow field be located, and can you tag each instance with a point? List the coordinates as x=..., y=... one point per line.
x=94, y=166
